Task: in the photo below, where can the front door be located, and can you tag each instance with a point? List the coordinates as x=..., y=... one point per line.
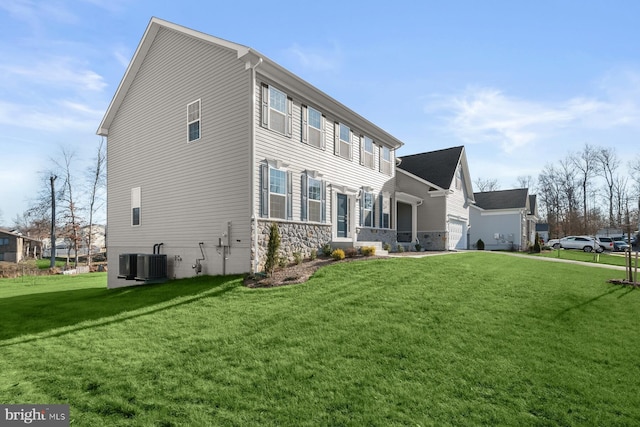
x=343, y=215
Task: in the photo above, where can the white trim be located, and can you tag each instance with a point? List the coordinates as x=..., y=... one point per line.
x=199, y=120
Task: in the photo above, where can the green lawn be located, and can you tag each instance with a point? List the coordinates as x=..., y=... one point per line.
x=464, y=339
x=609, y=258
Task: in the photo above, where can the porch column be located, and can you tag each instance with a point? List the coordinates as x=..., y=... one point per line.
x=414, y=222
x=414, y=202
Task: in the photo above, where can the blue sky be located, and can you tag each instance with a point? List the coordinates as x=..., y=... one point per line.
x=519, y=83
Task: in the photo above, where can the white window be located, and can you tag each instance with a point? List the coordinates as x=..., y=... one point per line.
x=366, y=152
x=459, y=178
x=385, y=160
x=312, y=127
x=314, y=200
x=385, y=212
x=193, y=121
x=277, y=193
x=135, y=206
x=276, y=110
x=367, y=209
x=343, y=141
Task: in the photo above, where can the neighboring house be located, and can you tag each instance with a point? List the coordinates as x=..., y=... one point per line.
x=210, y=142
x=14, y=247
x=543, y=231
x=504, y=220
x=439, y=220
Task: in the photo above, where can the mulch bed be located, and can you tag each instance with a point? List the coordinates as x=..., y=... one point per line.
x=296, y=273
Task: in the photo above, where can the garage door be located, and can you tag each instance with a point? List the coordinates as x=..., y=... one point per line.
x=457, y=235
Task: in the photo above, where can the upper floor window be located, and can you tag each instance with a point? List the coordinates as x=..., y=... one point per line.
x=276, y=110
x=385, y=160
x=4, y=241
x=343, y=141
x=135, y=206
x=312, y=127
x=366, y=152
x=276, y=189
x=193, y=121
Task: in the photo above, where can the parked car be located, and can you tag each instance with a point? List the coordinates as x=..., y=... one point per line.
x=553, y=243
x=583, y=243
x=606, y=243
x=620, y=245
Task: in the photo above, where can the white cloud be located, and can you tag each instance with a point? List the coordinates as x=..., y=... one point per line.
x=57, y=72
x=488, y=115
x=62, y=116
x=316, y=59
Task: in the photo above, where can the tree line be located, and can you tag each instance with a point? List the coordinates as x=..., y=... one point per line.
x=584, y=192
x=68, y=203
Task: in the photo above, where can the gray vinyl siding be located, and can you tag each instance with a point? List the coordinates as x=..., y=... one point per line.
x=188, y=190
x=507, y=224
x=300, y=156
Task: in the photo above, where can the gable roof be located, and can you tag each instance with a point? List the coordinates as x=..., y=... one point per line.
x=252, y=59
x=437, y=167
x=503, y=199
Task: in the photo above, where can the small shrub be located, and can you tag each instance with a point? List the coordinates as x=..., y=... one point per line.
x=337, y=254
x=313, y=255
x=350, y=252
x=536, y=244
x=386, y=247
x=283, y=261
x=297, y=258
x=272, y=249
x=326, y=249
x=418, y=247
x=400, y=248
x=480, y=245
x=368, y=250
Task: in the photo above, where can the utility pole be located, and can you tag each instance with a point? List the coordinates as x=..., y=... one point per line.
x=52, y=264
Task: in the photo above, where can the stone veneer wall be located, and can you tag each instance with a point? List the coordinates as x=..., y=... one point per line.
x=433, y=240
x=294, y=237
x=378, y=235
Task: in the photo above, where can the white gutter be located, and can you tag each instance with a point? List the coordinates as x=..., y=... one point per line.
x=252, y=166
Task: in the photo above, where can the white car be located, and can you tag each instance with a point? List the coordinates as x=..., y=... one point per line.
x=583, y=243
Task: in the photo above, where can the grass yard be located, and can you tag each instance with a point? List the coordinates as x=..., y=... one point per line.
x=611, y=258
x=464, y=339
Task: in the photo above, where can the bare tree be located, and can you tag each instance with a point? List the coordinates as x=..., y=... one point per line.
x=97, y=177
x=526, y=182
x=486, y=184
x=71, y=210
x=585, y=163
x=619, y=198
x=550, y=198
x=608, y=164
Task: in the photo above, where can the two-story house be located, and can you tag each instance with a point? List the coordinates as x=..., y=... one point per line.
x=209, y=142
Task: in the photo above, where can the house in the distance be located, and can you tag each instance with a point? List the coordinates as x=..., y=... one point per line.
x=441, y=180
x=504, y=220
x=210, y=142
x=14, y=247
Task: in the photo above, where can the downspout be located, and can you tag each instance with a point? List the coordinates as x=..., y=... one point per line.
x=252, y=167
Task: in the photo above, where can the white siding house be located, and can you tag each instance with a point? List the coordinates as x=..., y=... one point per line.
x=209, y=142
